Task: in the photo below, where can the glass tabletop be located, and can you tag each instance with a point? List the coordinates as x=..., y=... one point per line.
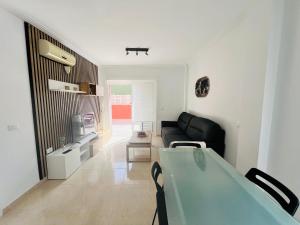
x=201, y=188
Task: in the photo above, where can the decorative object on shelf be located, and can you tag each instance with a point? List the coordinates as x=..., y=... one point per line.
x=137, y=50
x=51, y=51
x=202, y=87
x=62, y=141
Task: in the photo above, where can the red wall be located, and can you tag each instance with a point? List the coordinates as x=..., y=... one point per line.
x=121, y=111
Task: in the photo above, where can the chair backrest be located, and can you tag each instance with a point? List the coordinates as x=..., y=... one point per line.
x=291, y=206
x=155, y=172
x=160, y=195
x=161, y=208
x=194, y=144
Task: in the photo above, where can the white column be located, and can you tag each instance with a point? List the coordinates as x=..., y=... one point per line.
x=270, y=82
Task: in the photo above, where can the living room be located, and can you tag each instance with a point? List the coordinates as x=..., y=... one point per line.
x=230, y=62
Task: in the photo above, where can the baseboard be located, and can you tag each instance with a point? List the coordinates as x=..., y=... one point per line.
x=15, y=202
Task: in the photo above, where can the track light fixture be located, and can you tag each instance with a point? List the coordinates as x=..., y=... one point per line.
x=137, y=50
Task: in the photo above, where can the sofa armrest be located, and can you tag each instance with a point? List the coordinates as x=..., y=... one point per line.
x=169, y=124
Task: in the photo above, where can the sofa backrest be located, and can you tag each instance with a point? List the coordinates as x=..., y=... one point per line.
x=184, y=120
x=202, y=129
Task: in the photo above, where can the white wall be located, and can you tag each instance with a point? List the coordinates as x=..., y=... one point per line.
x=235, y=62
x=170, y=87
x=18, y=162
x=284, y=150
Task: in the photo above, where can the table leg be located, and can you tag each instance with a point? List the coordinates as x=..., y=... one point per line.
x=139, y=146
x=127, y=153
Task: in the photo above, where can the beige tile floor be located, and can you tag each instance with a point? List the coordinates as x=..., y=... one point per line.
x=106, y=190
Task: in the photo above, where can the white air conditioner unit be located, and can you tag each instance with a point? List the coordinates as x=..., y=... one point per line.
x=56, y=54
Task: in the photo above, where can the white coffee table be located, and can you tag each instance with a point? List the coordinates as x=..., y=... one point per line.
x=139, y=142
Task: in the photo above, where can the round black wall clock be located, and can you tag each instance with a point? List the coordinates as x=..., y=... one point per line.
x=202, y=87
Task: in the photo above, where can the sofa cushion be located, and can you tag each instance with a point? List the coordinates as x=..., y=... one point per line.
x=175, y=137
x=201, y=129
x=184, y=120
x=170, y=130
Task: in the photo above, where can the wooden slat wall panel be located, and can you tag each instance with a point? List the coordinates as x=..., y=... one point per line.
x=52, y=111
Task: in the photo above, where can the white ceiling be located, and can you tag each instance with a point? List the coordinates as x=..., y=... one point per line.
x=173, y=29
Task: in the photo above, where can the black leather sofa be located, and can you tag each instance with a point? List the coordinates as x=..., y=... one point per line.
x=192, y=128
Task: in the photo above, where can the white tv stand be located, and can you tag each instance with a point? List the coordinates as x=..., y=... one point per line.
x=63, y=162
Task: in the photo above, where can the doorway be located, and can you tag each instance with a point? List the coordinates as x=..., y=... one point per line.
x=121, y=110
x=121, y=103
x=132, y=107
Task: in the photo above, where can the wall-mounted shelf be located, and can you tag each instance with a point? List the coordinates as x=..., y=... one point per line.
x=55, y=85
x=88, y=88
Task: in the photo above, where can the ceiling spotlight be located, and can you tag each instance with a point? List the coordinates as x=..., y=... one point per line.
x=137, y=50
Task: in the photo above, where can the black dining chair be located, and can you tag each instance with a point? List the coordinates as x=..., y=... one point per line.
x=161, y=209
x=195, y=144
x=290, y=206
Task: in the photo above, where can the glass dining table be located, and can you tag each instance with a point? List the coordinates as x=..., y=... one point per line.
x=201, y=188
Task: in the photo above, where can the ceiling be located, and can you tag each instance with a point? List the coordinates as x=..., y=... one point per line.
x=173, y=29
